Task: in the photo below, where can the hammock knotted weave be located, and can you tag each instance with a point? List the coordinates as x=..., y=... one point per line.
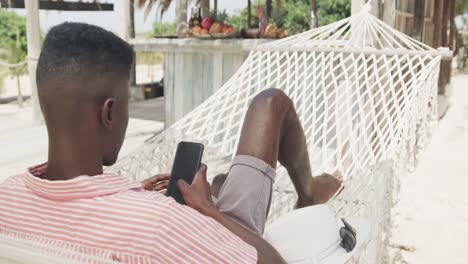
x=366, y=95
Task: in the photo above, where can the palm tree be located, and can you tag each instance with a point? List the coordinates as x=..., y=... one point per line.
x=163, y=5
x=313, y=14
x=268, y=8
x=249, y=13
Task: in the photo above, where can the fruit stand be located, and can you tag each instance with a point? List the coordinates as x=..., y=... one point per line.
x=205, y=52
x=195, y=68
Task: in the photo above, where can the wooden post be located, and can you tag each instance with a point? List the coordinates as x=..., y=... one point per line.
x=20, y=95
x=124, y=19
x=443, y=80
x=447, y=41
x=438, y=12
x=131, y=33
x=452, y=27
x=34, y=49
x=419, y=10
x=452, y=37
x=127, y=31
x=388, y=15
x=132, y=19
x=445, y=20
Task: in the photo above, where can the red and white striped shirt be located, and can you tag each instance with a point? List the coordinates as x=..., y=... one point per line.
x=108, y=217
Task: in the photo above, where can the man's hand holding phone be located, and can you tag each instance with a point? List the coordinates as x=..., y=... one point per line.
x=198, y=194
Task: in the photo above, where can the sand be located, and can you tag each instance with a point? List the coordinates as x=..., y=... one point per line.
x=432, y=212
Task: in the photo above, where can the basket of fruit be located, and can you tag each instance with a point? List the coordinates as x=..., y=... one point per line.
x=213, y=26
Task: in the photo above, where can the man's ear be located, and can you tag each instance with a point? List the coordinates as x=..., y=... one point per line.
x=107, y=113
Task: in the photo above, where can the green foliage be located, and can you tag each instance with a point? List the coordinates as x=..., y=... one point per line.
x=240, y=21
x=13, y=43
x=219, y=16
x=222, y=16
x=461, y=7
x=149, y=57
x=163, y=29
x=294, y=15
x=329, y=11
x=12, y=26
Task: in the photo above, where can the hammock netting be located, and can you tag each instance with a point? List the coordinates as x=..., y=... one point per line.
x=366, y=95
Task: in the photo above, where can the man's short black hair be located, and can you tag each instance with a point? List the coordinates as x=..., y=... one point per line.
x=79, y=51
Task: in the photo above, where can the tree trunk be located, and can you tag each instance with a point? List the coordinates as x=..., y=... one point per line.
x=205, y=5
x=313, y=14
x=20, y=95
x=313, y=5
x=278, y=4
x=268, y=10
x=249, y=13
x=216, y=6
x=181, y=18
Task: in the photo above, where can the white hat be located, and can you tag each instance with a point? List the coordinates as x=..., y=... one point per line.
x=312, y=235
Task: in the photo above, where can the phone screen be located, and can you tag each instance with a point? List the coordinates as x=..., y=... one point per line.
x=186, y=164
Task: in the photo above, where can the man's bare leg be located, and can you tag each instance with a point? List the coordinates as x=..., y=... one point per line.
x=272, y=132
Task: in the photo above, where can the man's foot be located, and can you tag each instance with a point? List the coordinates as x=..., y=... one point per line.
x=322, y=189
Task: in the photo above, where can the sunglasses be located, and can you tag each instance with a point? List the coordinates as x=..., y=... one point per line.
x=348, y=236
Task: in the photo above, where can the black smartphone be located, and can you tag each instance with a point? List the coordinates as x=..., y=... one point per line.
x=186, y=164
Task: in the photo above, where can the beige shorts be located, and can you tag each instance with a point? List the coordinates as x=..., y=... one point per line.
x=246, y=193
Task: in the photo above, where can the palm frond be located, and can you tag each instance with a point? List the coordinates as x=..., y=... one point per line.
x=163, y=5
x=149, y=7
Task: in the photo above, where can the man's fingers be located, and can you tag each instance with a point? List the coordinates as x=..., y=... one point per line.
x=148, y=184
x=160, y=186
x=184, y=187
x=159, y=177
x=201, y=174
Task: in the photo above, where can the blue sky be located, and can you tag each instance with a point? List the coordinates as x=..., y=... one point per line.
x=109, y=20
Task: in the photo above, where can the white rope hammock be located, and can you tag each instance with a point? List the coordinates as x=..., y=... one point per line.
x=366, y=95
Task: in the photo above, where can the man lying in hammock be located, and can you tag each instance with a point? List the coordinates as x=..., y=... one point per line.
x=82, y=78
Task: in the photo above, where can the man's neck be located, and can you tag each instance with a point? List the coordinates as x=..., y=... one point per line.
x=69, y=160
